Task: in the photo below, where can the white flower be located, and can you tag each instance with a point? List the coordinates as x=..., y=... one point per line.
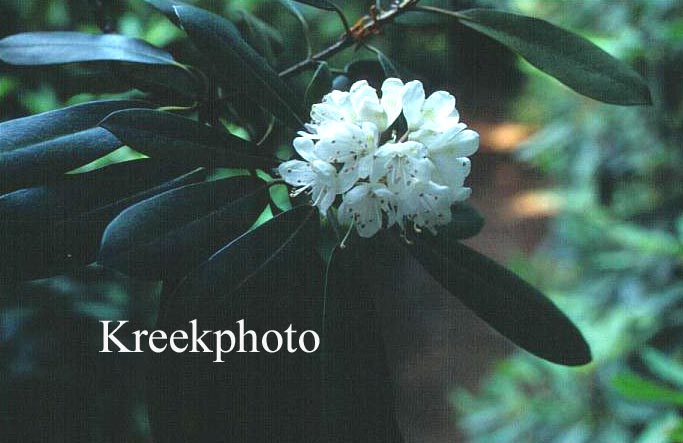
x=350, y=144
x=427, y=204
x=401, y=164
x=315, y=176
x=414, y=178
x=436, y=113
x=364, y=204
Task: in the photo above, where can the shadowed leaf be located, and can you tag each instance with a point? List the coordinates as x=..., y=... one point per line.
x=241, y=68
x=466, y=222
x=271, y=278
x=510, y=305
x=358, y=396
x=172, y=137
x=44, y=146
x=171, y=233
x=571, y=59
x=57, y=226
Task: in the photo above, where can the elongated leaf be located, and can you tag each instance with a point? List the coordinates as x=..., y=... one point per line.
x=171, y=233
x=164, y=81
x=50, y=228
x=241, y=261
x=573, y=60
x=466, y=222
x=39, y=162
x=43, y=146
x=320, y=4
x=258, y=34
x=271, y=279
x=167, y=7
x=640, y=389
x=510, y=305
x=320, y=84
x=172, y=137
x=51, y=48
x=241, y=68
x=358, y=395
x=27, y=131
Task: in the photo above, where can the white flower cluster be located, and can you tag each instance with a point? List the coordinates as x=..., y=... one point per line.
x=384, y=179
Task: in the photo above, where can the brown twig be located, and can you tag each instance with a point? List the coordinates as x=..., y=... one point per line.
x=369, y=25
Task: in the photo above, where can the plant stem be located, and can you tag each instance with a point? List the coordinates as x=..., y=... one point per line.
x=364, y=28
x=343, y=43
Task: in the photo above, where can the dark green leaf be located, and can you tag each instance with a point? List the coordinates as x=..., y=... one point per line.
x=27, y=131
x=466, y=222
x=50, y=228
x=510, y=305
x=242, y=69
x=241, y=261
x=39, y=162
x=165, y=81
x=320, y=4
x=172, y=137
x=252, y=117
x=167, y=8
x=358, y=395
x=51, y=48
x=640, y=389
x=260, y=35
x=573, y=60
x=44, y=146
x=171, y=233
x=320, y=84
x=271, y=278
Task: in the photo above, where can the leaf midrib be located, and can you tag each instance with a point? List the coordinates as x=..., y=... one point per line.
x=272, y=256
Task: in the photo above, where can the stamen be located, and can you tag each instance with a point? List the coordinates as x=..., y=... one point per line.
x=342, y=245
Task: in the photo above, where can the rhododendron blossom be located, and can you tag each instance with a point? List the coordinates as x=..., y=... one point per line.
x=351, y=149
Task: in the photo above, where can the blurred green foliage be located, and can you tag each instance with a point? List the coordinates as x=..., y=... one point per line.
x=614, y=259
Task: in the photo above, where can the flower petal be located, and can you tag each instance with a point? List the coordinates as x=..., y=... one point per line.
x=466, y=143
x=438, y=106
x=451, y=171
x=341, y=142
x=324, y=198
x=323, y=112
x=304, y=146
x=367, y=106
x=392, y=100
x=413, y=99
x=297, y=173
